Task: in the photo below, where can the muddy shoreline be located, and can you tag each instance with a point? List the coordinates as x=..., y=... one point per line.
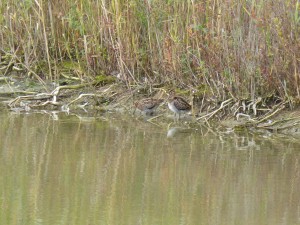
x=28, y=95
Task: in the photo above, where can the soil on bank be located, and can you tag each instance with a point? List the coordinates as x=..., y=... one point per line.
x=108, y=94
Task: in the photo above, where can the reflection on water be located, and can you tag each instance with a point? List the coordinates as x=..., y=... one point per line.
x=65, y=170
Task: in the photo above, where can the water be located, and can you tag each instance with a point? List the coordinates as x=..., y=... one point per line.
x=107, y=170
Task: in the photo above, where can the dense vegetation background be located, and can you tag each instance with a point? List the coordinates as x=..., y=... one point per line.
x=243, y=48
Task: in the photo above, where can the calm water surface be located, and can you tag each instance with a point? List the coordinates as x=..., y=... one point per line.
x=65, y=170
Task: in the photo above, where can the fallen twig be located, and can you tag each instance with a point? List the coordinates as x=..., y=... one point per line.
x=223, y=105
x=281, y=107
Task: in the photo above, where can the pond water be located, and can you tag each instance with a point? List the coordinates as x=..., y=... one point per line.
x=108, y=169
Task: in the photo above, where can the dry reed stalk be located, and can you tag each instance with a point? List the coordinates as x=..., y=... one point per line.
x=239, y=47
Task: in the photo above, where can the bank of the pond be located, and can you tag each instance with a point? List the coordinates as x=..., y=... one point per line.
x=26, y=94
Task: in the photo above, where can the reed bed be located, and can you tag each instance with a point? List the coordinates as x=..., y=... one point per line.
x=241, y=48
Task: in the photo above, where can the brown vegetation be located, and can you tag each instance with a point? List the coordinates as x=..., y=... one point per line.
x=225, y=49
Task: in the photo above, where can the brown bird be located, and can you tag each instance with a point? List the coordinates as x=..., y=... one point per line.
x=178, y=105
x=148, y=105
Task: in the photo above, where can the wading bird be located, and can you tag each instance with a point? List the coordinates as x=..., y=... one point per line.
x=148, y=105
x=178, y=105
